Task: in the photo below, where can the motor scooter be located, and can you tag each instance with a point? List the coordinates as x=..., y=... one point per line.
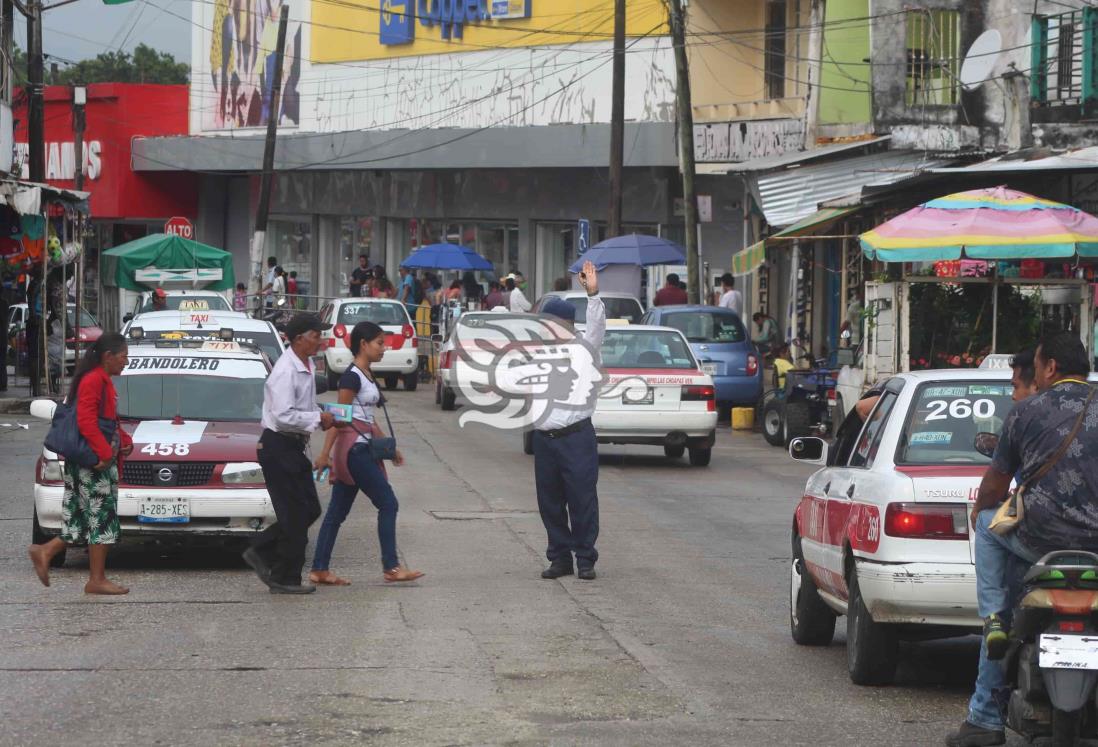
x=1051, y=664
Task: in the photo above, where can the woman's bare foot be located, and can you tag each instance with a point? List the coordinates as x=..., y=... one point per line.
x=104, y=587
x=327, y=578
x=40, y=559
x=394, y=575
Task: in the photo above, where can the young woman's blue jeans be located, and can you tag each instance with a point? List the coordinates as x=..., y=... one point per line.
x=371, y=480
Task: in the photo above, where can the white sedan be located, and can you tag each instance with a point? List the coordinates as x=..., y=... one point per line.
x=401, y=358
x=881, y=533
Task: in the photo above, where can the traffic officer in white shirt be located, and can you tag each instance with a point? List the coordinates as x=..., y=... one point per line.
x=566, y=457
x=290, y=414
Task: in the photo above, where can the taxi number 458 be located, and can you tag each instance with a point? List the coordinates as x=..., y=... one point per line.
x=959, y=409
x=166, y=449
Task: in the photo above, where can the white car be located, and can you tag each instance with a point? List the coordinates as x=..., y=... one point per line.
x=401, y=358
x=445, y=383
x=676, y=407
x=618, y=305
x=207, y=325
x=182, y=300
x=881, y=533
x=193, y=411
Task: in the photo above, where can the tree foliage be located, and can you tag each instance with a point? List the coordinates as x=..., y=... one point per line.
x=144, y=65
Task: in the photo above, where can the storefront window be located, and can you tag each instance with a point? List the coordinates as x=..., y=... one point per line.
x=290, y=241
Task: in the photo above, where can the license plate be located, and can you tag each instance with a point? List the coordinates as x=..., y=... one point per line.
x=648, y=399
x=165, y=510
x=710, y=368
x=1068, y=651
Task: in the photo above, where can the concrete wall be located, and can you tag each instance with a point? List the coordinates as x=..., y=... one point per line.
x=845, y=97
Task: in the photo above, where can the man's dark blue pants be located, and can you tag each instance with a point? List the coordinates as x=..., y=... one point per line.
x=566, y=471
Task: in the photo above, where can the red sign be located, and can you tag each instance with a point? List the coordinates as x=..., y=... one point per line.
x=181, y=227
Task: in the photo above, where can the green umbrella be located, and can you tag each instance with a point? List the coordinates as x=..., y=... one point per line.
x=162, y=251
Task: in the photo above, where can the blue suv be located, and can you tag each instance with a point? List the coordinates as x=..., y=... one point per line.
x=722, y=346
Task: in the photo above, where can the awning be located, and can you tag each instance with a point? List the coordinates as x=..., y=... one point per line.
x=1085, y=159
x=26, y=198
x=749, y=260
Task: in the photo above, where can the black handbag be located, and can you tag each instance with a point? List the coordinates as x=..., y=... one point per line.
x=380, y=448
x=64, y=436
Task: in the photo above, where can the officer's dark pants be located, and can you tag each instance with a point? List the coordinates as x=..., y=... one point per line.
x=566, y=470
x=289, y=478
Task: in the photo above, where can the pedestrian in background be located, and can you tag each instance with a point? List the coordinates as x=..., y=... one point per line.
x=560, y=285
x=730, y=297
x=471, y=290
x=89, y=509
x=566, y=457
x=290, y=414
x=240, y=298
x=516, y=299
x=670, y=294
x=359, y=276
x=268, y=286
x=278, y=287
x=291, y=289
x=354, y=468
x=495, y=296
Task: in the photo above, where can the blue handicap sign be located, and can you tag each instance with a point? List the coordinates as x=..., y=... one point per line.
x=584, y=242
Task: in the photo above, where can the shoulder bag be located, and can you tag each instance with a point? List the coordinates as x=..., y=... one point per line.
x=1012, y=511
x=65, y=438
x=383, y=448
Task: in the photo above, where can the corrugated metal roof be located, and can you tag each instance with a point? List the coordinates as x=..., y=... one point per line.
x=792, y=194
x=1082, y=158
x=796, y=157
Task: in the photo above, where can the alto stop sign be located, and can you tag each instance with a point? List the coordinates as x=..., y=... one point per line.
x=181, y=227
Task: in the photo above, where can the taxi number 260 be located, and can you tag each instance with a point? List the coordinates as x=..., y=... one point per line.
x=166, y=449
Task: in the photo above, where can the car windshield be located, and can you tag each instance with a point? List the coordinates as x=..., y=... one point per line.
x=945, y=417
x=86, y=319
x=706, y=326
x=616, y=308
x=210, y=302
x=191, y=396
x=644, y=349
x=383, y=314
x=267, y=341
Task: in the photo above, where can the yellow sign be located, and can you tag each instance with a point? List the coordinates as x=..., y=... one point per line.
x=356, y=30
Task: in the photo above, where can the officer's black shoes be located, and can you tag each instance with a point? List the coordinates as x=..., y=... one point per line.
x=970, y=735
x=292, y=588
x=556, y=571
x=586, y=574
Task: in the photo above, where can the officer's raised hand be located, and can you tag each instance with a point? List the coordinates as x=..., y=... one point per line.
x=589, y=278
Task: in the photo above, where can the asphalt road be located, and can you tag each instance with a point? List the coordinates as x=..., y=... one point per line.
x=683, y=639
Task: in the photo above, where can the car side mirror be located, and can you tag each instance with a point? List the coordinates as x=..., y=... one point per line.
x=809, y=449
x=127, y=317
x=43, y=409
x=986, y=443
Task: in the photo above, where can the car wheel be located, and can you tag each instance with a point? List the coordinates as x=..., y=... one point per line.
x=700, y=457
x=39, y=537
x=391, y=381
x=872, y=649
x=798, y=420
x=811, y=621
x=528, y=442
x=673, y=452
x=773, y=423
x=449, y=400
x=411, y=381
x=333, y=380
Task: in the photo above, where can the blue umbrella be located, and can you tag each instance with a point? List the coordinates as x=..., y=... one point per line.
x=634, y=249
x=446, y=257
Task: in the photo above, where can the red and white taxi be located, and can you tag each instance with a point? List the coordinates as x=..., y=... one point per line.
x=193, y=410
x=882, y=532
x=401, y=359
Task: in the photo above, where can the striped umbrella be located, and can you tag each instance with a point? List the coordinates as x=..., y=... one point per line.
x=996, y=223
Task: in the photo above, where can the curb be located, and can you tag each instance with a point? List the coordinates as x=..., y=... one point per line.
x=15, y=405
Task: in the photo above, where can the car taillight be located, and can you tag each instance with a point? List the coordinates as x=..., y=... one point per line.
x=408, y=331
x=927, y=521
x=340, y=330
x=707, y=394
x=446, y=359
x=752, y=364
x=1072, y=626
x=49, y=472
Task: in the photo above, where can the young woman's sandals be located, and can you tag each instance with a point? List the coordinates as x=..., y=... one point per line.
x=327, y=578
x=398, y=574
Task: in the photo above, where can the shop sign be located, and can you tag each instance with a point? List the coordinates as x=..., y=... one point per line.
x=734, y=142
x=61, y=160
x=397, y=17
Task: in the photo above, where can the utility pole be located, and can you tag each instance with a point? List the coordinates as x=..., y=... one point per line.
x=79, y=100
x=263, y=208
x=686, y=152
x=36, y=140
x=617, y=121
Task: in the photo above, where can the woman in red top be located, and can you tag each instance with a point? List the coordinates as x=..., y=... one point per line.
x=89, y=513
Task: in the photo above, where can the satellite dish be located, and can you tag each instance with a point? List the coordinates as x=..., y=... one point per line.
x=981, y=59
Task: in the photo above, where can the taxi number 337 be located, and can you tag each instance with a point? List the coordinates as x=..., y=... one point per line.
x=959, y=409
x=166, y=449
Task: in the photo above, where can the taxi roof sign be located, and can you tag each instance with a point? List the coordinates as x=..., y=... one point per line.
x=197, y=319
x=221, y=346
x=996, y=362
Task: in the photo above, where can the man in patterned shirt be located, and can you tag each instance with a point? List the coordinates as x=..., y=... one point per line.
x=1061, y=508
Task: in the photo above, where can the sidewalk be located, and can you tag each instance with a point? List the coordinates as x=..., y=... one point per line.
x=17, y=398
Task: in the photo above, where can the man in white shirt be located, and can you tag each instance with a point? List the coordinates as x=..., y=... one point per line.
x=290, y=414
x=516, y=299
x=730, y=297
x=566, y=456
x=268, y=287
